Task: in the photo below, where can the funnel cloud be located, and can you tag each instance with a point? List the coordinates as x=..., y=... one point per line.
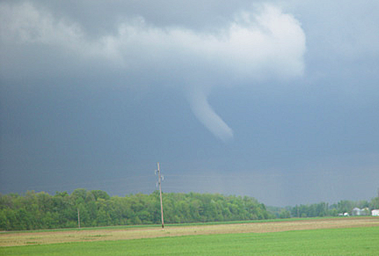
x=207, y=116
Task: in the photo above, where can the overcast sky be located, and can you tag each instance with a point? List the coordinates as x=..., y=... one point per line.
x=277, y=100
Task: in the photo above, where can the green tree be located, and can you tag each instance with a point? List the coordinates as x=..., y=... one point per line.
x=285, y=214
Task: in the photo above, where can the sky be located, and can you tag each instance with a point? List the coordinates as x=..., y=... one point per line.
x=277, y=100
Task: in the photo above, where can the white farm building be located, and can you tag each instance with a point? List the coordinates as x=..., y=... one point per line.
x=360, y=212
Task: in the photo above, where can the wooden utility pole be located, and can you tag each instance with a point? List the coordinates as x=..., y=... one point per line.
x=160, y=193
x=78, y=218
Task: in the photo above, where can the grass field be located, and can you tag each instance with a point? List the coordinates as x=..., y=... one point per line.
x=308, y=237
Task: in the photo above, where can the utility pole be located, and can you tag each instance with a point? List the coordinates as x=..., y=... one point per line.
x=160, y=193
x=78, y=218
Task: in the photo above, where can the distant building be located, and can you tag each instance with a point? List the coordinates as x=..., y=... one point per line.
x=360, y=212
x=356, y=212
x=375, y=212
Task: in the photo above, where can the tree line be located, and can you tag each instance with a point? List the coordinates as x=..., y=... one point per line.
x=324, y=209
x=96, y=208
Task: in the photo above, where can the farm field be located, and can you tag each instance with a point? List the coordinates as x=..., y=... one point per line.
x=345, y=236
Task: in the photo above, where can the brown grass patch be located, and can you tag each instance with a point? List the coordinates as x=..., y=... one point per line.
x=29, y=238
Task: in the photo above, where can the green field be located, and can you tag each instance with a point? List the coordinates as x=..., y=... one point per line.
x=344, y=241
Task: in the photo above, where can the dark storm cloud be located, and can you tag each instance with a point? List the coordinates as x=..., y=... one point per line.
x=253, y=46
x=102, y=17
x=97, y=92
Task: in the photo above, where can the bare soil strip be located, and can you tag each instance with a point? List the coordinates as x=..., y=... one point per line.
x=18, y=239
